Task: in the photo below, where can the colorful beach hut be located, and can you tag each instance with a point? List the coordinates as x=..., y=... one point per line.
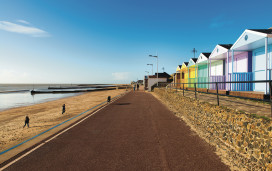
x=177, y=77
x=258, y=44
x=184, y=74
x=202, y=64
x=192, y=72
x=217, y=65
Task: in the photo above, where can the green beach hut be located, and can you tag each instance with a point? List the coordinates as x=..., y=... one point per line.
x=202, y=64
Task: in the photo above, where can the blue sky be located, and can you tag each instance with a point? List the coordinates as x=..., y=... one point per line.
x=108, y=41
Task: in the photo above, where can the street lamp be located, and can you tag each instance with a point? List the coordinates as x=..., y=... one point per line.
x=152, y=67
x=157, y=68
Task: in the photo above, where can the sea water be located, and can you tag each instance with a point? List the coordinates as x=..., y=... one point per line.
x=17, y=95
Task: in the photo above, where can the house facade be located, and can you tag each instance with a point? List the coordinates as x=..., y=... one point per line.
x=257, y=43
x=177, y=80
x=184, y=74
x=248, y=59
x=217, y=69
x=202, y=64
x=152, y=80
x=192, y=72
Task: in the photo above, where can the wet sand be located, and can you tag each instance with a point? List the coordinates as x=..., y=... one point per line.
x=45, y=115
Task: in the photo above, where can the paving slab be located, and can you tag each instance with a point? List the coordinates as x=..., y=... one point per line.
x=136, y=132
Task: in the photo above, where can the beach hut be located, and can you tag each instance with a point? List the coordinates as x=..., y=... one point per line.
x=217, y=65
x=258, y=44
x=177, y=77
x=192, y=72
x=184, y=74
x=202, y=64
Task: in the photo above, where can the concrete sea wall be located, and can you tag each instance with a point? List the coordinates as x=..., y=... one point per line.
x=243, y=141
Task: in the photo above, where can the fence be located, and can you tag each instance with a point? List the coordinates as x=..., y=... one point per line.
x=216, y=88
x=191, y=82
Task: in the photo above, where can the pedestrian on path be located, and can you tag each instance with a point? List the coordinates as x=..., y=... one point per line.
x=134, y=87
x=109, y=99
x=26, y=122
x=63, y=108
x=137, y=87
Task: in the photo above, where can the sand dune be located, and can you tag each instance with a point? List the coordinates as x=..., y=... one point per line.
x=45, y=115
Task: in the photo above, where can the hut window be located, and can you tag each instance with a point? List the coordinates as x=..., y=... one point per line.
x=246, y=37
x=182, y=75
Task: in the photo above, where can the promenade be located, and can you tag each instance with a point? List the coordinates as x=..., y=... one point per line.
x=136, y=132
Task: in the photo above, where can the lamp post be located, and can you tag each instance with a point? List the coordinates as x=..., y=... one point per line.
x=157, y=67
x=146, y=80
x=152, y=67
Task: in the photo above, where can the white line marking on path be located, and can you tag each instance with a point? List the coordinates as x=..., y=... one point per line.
x=27, y=153
x=12, y=162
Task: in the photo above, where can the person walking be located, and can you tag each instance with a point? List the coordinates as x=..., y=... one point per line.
x=134, y=87
x=63, y=108
x=26, y=122
x=137, y=87
x=109, y=99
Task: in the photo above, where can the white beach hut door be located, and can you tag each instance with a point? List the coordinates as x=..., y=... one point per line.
x=213, y=69
x=259, y=70
x=219, y=68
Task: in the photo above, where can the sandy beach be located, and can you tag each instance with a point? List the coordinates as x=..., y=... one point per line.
x=45, y=115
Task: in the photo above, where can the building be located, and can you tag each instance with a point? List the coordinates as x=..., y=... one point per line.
x=248, y=59
x=203, y=70
x=177, y=80
x=184, y=74
x=258, y=44
x=152, y=80
x=217, y=68
x=192, y=72
x=140, y=82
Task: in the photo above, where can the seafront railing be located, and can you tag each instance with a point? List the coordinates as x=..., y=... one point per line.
x=202, y=80
x=231, y=89
x=191, y=82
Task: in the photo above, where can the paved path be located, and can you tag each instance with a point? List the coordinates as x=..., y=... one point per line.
x=249, y=106
x=136, y=132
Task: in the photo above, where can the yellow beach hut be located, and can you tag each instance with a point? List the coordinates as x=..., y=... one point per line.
x=184, y=74
x=192, y=69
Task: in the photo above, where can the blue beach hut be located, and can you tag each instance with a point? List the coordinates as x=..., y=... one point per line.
x=257, y=42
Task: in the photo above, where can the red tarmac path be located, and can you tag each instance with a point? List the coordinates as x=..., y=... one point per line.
x=136, y=132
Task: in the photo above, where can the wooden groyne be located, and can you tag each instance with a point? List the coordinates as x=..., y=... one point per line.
x=66, y=91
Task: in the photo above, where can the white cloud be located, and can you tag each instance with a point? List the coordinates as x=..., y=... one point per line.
x=120, y=75
x=22, y=29
x=23, y=21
